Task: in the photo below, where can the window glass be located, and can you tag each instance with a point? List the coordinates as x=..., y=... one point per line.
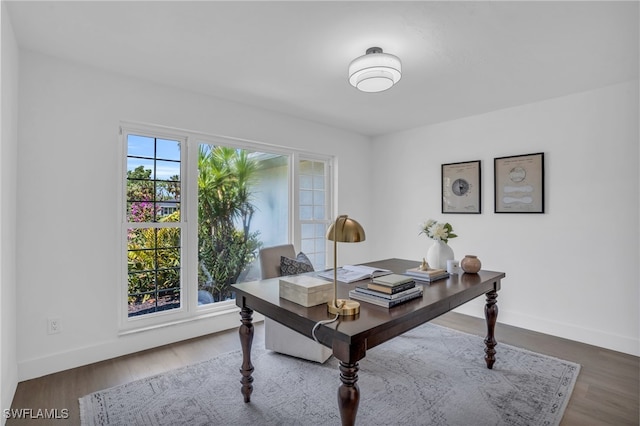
x=314, y=211
x=153, y=251
x=243, y=204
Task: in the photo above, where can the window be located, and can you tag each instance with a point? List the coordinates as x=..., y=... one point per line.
x=314, y=213
x=154, y=225
x=198, y=208
x=243, y=203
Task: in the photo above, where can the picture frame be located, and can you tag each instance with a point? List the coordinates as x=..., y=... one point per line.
x=461, y=187
x=519, y=183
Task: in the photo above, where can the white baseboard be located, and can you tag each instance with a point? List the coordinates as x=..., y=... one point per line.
x=625, y=344
x=127, y=344
x=123, y=345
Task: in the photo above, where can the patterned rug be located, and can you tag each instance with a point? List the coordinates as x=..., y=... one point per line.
x=429, y=376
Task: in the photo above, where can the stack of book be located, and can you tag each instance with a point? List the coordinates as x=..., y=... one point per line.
x=428, y=276
x=388, y=291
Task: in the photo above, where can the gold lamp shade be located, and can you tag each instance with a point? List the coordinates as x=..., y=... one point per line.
x=343, y=230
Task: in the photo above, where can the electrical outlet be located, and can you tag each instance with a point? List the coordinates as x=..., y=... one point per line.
x=53, y=326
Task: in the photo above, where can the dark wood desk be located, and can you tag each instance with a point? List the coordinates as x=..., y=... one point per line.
x=350, y=337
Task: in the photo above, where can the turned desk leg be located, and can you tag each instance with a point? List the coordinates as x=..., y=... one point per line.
x=491, y=314
x=348, y=393
x=246, y=339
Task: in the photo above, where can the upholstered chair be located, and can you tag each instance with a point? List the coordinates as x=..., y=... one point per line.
x=279, y=338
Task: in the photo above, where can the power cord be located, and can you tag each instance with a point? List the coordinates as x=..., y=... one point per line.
x=318, y=324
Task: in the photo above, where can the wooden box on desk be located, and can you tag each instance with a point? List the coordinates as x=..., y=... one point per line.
x=306, y=290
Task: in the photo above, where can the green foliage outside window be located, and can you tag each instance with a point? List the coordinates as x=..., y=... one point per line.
x=153, y=254
x=153, y=257
x=225, y=210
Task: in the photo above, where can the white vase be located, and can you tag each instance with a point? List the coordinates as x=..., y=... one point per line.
x=438, y=254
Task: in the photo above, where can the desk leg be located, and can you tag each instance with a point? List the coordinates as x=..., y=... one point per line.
x=246, y=339
x=491, y=314
x=348, y=393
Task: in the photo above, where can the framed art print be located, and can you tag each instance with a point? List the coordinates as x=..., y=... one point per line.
x=461, y=187
x=519, y=183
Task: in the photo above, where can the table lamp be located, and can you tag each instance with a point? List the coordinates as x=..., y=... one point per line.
x=343, y=230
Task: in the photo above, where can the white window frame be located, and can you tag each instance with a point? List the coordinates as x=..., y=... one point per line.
x=125, y=322
x=189, y=309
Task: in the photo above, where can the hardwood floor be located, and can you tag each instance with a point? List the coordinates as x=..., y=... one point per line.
x=606, y=392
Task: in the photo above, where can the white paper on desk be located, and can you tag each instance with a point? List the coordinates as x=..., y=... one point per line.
x=353, y=273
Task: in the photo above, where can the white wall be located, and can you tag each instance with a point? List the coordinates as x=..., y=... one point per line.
x=68, y=254
x=8, y=173
x=571, y=272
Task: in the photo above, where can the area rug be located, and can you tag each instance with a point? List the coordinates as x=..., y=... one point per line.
x=429, y=376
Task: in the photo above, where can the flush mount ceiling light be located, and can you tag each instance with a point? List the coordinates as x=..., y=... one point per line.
x=375, y=71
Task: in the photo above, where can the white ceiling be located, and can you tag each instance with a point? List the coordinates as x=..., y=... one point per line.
x=459, y=58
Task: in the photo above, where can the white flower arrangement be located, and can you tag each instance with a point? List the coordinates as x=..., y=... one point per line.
x=438, y=231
